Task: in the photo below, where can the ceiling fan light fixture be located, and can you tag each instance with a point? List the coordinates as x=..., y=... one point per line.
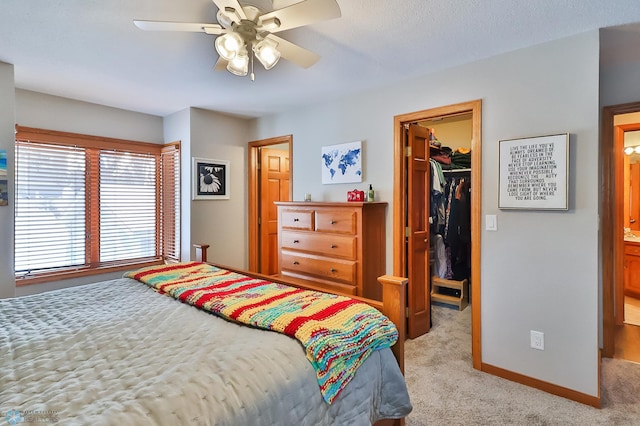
x=267, y=53
x=223, y=19
x=229, y=45
x=270, y=24
x=228, y=16
x=239, y=65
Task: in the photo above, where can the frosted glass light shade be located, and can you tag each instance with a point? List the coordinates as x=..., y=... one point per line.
x=267, y=53
x=240, y=64
x=228, y=45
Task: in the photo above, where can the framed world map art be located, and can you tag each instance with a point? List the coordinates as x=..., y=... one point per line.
x=342, y=163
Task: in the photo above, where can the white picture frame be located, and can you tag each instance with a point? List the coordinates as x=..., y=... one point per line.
x=534, y=173
x=210, y=179
x=342, y=163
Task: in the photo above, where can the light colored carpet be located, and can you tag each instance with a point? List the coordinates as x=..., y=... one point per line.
x=446, y=390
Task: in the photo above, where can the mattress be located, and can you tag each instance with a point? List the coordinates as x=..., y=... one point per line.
x=116, y=352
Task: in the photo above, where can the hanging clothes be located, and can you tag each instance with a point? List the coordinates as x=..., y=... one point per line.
x=436, y=200
x=458, y=227
x=443, y=267
x=450, y=213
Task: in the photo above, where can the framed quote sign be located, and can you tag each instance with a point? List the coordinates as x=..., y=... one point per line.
x=534, y=173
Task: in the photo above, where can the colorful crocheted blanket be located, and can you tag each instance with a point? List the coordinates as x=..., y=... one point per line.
x=337, y=332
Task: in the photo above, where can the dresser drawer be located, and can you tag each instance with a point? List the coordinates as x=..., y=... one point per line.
x=334, y=269
x=297, y=219
x=632, y=249
x=339, y=221
x=343, y=246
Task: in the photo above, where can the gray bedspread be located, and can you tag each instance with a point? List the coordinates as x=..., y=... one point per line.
x=117, y=353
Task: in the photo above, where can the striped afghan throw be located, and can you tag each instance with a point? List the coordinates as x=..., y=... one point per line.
x=337, y=332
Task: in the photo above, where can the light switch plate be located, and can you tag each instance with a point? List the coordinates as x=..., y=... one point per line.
x=491, y=222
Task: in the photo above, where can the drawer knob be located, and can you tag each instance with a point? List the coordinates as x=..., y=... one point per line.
x=333, y=246
x=295, y=219
x=333, y=270
x=333, y=222
x=295, y=262
x=296, y=241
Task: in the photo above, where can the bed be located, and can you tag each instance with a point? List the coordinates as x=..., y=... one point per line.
x=119, y=352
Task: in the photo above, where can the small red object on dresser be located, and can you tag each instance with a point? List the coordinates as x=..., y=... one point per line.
x=355, y=195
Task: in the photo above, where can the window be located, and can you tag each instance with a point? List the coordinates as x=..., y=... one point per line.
x=85, y=203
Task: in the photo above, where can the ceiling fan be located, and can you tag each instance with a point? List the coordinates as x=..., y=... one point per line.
x=245, y=31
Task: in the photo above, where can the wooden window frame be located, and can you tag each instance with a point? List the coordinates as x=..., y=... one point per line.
x=93, y=144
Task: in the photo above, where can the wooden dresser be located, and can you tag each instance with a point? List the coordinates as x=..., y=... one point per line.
x=339, y=246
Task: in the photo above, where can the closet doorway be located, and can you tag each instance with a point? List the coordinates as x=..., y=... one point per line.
x=621, y=232
x=411, y=240
x=270, y=171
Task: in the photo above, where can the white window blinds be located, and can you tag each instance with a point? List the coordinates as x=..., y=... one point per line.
x=127, y=206
x=50, y=207
x=85, y=202
x=170, y=202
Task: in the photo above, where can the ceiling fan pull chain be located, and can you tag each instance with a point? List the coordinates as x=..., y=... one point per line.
x=253, y=76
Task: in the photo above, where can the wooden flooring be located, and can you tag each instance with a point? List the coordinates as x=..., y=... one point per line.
x=631, y=310
x=628, y=335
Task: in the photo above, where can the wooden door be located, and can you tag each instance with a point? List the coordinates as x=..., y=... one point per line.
x=274, y=186
x=418, y=239
x=633, y=198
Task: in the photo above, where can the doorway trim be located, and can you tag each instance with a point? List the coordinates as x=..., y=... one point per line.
x=400, y=198
x=612, y=221
x=254, y=202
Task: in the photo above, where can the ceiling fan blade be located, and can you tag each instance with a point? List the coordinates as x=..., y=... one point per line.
x=294, y=53
x=234, y=4
x=304, y=13
x=179, y=26
x=221, y=64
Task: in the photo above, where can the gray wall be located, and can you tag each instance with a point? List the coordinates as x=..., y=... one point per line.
x=55, y=113
x=177, y=127
x=619, y=64
x=7, y=136
x=539, y=270
x=222, y=223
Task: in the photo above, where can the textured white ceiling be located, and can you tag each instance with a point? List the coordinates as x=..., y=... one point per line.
x=90, y=50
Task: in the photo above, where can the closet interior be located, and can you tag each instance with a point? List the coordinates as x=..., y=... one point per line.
x=450, y=208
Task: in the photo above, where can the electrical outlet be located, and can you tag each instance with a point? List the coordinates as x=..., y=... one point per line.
x=537, y=340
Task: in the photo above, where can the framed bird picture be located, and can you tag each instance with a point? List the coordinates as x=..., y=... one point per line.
x=210, y=180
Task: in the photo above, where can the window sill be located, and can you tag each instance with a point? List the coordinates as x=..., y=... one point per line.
x=83, y=272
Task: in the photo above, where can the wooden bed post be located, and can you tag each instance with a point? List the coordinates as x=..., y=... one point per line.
x=394, y=301
x=201, y=252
